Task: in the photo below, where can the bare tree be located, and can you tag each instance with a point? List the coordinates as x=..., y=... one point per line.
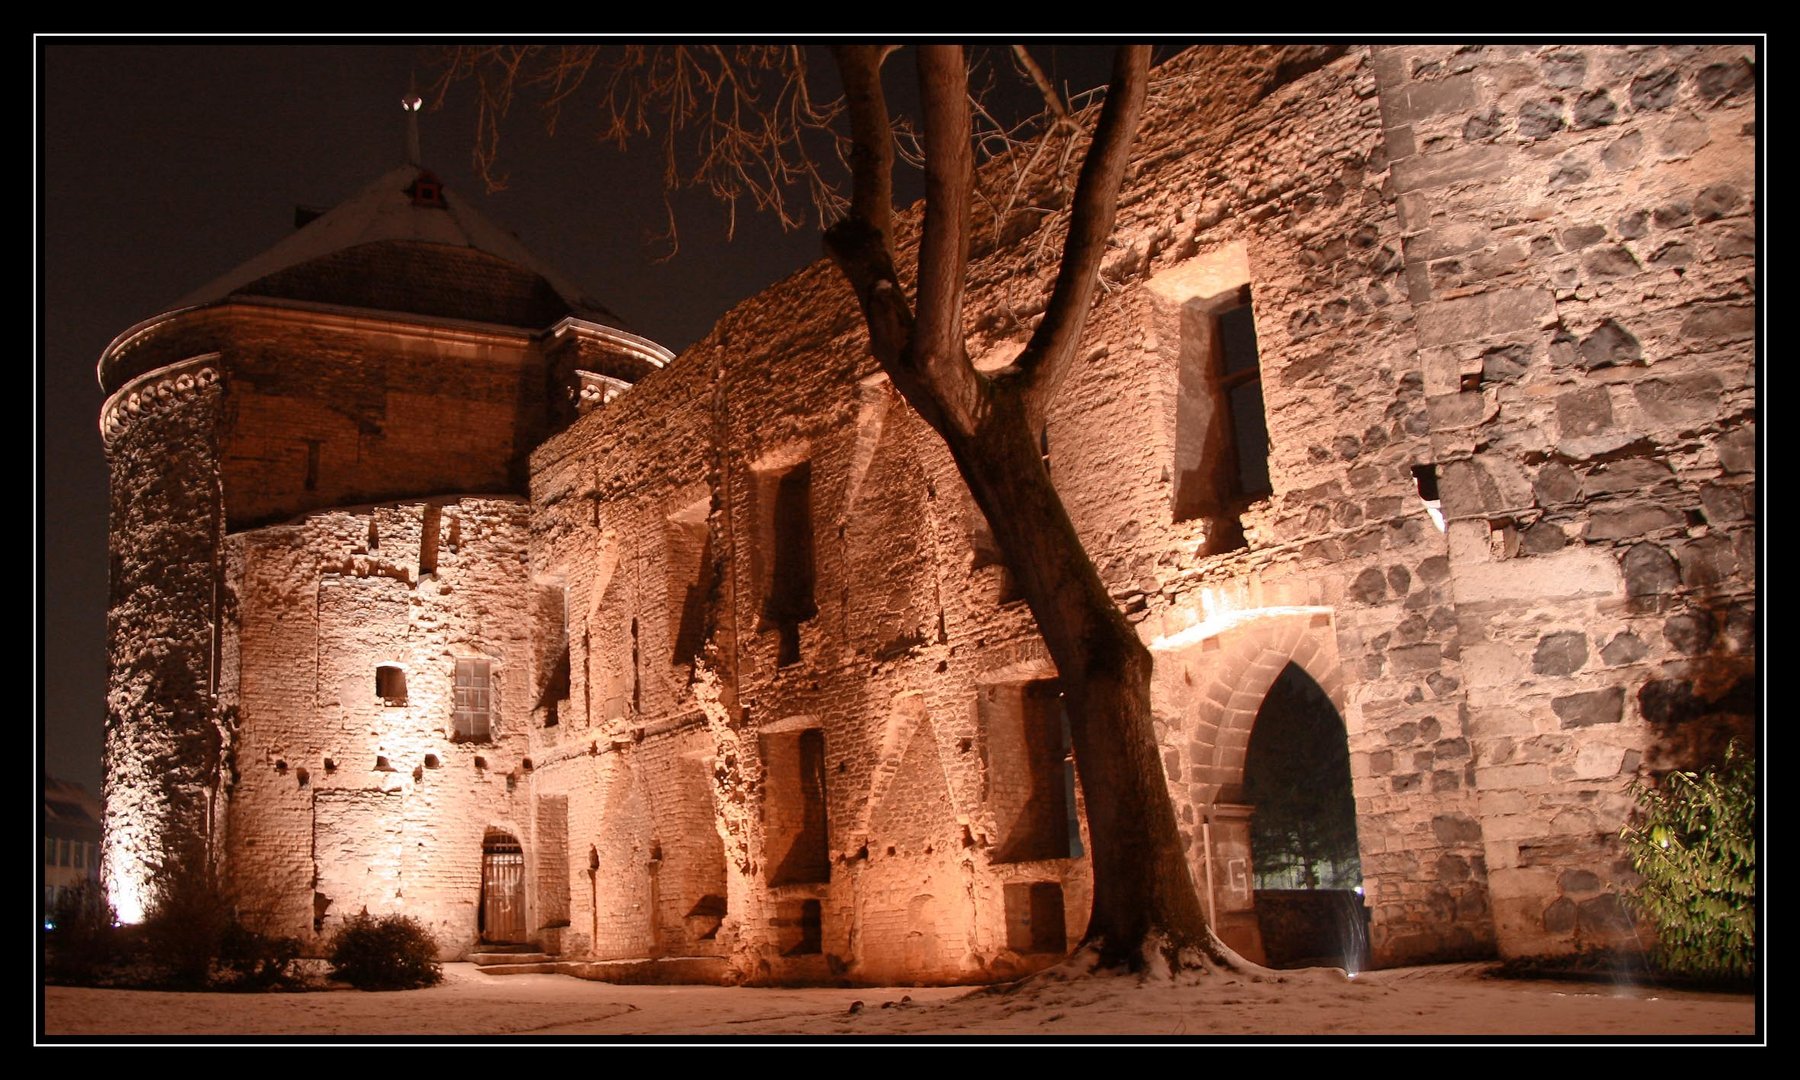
x=1146, y=913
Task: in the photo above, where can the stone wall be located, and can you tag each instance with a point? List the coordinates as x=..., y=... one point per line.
x=1580, y=249
x=163, y=739
x=340, y=798
x=1340, y=566
x=1391, y=365
x=913, y=622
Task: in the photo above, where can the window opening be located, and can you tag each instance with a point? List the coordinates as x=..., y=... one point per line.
x=473, y=700
x=789, y=597
x=1221, y=428
x=1035, y=922
x=390, y=684
x=637, y=682
x=1426, y=477
x=312, y=464
x=1030, y=777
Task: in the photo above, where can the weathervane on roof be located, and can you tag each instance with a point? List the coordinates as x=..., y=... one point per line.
x=411, y=103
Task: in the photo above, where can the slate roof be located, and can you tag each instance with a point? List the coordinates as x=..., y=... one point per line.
x=382, y=250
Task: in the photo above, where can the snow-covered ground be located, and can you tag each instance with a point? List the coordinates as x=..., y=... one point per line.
x=1447, y=1001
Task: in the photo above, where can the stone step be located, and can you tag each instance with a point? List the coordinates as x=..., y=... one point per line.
x=666, y=971
x=489, y=958
x=548, y=966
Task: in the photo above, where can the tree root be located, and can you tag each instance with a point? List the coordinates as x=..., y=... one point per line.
x=1159, y=958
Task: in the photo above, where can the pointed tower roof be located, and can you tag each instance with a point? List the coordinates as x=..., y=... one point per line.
x=403, y=244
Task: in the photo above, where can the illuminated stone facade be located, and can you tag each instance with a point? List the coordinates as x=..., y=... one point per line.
x=518, y=625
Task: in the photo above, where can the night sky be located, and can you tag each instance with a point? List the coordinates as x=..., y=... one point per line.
x=162, y=166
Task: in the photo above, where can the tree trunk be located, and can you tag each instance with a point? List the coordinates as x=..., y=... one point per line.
x=1144, y=896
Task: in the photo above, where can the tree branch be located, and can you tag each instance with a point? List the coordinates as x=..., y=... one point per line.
x=1051, y=351
x=861, y=243
x=939, y=349
x=866, y=261
x=871, y=139
x=1052, y=100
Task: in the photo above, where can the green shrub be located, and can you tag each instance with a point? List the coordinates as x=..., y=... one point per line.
x=1694, y=845
x=394, y=952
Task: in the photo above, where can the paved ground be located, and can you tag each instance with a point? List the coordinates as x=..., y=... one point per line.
x=1453, y=1000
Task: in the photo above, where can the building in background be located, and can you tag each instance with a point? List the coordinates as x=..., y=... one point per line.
x=71, y=843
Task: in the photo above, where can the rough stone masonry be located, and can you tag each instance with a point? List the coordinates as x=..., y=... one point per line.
x=1425, y=372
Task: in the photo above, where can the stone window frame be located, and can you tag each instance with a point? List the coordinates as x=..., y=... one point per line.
x=1185, y=305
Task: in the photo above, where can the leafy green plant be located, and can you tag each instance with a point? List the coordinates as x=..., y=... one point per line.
x=1694, y=846
x=394, y=952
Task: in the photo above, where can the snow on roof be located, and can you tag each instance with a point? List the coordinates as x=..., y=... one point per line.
x=68, y=803
x=385, y=211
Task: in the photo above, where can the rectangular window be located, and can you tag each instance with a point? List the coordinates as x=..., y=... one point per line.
x=390, y=684
x=312, y=464
x=474, y=700
x=786, y=501
x=800, y=926
x=690, y=559
x=1242, y=383
x=1221, y=430
x=553, y=656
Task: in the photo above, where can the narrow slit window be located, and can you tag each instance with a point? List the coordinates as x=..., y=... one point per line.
x=789, y=596
x=1241, y=380
x=312, y=464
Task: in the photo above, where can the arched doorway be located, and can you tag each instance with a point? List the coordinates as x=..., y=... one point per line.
x=1308, y=876
x=502, y=888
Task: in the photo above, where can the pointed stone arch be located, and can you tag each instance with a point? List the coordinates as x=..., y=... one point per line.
x=1210, y=682
x=1207, y=688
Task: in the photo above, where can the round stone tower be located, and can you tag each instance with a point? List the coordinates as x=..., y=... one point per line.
x=397, y=347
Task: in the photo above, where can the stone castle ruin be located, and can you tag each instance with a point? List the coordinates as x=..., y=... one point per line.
x=1415, y=431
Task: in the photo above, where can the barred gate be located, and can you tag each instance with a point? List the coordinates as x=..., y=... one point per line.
x=502, y=889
